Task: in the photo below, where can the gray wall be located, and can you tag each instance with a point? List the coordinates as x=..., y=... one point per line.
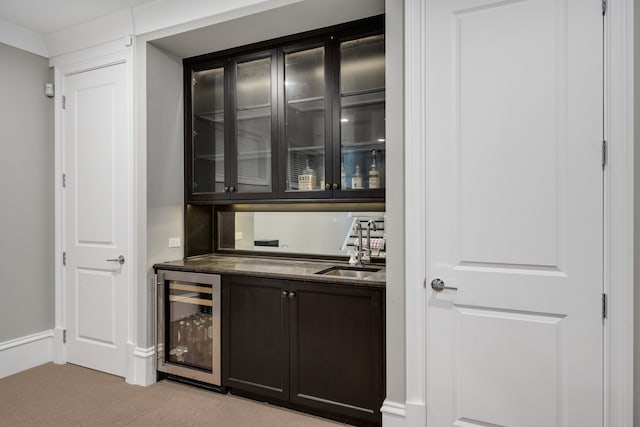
x=636, y=209
x=394, y=40
x=26, y=213
x=165, y=160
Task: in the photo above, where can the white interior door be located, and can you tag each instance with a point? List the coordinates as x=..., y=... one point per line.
x=515, y=213
x=95, y=218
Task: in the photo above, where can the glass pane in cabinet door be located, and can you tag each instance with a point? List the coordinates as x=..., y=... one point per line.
x=190, y=325
x=305, y=142
x=362, y=116
x=208, y=130
x=253, y=126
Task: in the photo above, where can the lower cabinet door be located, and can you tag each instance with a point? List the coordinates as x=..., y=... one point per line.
x=255, y=336
x=337, y=362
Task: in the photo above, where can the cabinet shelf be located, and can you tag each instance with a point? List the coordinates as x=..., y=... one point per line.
x=245, y=113
x=303, y=105
x=363, y=98
x=357, y=147
x=245, y=155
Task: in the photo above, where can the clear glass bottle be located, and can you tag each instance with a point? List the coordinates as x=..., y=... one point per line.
x=307, y=180
x=356, y=178
x=374, y=173
x=343, y=178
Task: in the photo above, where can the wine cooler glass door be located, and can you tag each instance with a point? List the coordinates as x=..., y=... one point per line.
x=190, y=331
x=190, y=324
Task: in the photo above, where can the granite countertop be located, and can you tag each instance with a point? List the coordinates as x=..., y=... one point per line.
x=279, y=268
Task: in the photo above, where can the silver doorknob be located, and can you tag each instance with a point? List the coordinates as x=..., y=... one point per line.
x=438, y=285
x=119, y=260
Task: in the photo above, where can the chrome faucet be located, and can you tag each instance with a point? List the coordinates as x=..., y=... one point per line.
x=370, y=224
x=360, y=250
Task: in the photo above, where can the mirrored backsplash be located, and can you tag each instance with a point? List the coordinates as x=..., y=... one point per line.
x=301, y=233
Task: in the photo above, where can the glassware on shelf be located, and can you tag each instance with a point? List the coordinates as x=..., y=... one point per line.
x=356, y=178
x=307, y=180
x=374, y=173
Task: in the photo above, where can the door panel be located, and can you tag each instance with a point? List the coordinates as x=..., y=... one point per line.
x=499, y=136
x=94, y=164
x=514, y=128
x=95, y=218
x=255, y=339
x=337, y=362
x=95, y=301
x=490, y=386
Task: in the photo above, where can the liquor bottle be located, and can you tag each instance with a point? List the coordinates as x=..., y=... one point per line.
x=307, y=180
x=374, y=173
x=356, y=178
x=343, y=178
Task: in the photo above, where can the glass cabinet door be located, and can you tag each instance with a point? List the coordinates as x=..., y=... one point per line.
x=362, y=115
x=304, y=80
x=208, y=135
x=253, y=127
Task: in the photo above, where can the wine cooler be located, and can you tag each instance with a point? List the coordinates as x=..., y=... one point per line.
x=188, y=326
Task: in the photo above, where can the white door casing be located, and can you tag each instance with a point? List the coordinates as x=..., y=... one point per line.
x=96, y=218
x=515, y=213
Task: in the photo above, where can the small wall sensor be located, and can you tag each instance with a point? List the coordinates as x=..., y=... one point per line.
x=48, y=90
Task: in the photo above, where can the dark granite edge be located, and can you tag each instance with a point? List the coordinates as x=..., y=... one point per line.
x=199, y=264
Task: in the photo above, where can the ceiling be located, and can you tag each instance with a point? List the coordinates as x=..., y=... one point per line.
x=47, y=16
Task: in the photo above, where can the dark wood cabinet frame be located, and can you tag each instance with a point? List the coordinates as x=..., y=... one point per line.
x=330, y=38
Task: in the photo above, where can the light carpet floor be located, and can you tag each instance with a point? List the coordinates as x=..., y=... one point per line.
x=69, y=395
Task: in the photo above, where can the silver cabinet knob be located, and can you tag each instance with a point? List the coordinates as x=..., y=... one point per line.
x=438, y=285
x=119, y=260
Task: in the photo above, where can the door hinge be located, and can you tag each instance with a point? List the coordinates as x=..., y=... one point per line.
x=64, y=102
x=64, y=258
x=604, y=7
x=64, y=336
x=604, y=306
x=604, y=154
x=64, y=180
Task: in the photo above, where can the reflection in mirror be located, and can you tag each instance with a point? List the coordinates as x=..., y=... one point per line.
x=305, y=233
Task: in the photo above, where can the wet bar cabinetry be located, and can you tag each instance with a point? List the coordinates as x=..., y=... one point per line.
x=314, y=347
x=301, y=117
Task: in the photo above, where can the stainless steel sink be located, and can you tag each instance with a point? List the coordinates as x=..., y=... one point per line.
x=352, y=272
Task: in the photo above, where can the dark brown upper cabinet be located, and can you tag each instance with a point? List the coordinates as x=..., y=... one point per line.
x=301, y=117
x=231, y=129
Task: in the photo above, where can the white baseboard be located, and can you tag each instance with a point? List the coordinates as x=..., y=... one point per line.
x=25, y=353
x=393, y=414
x=143, y=367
